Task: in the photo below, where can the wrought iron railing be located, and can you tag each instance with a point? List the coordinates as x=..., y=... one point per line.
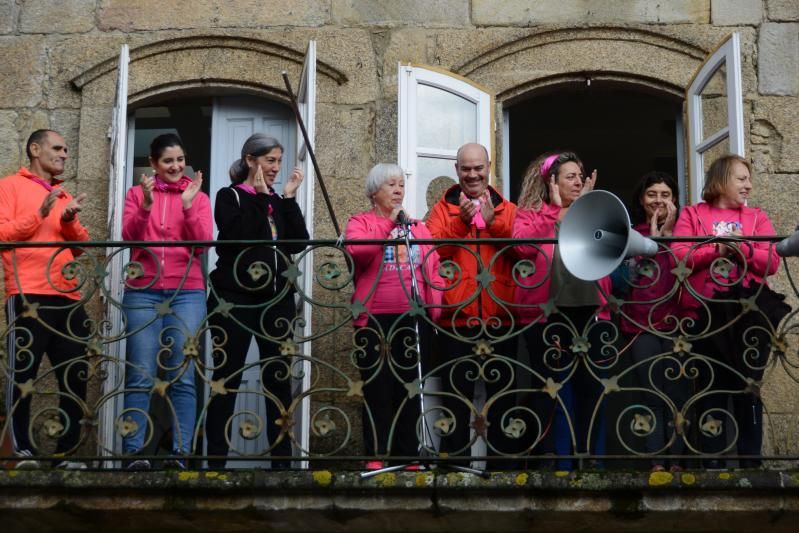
x=638, y=380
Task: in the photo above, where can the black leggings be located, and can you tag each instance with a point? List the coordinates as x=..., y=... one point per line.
x=231, y=357
x=58, y=329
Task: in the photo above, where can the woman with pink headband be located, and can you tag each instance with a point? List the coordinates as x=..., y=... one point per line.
x=560, y=313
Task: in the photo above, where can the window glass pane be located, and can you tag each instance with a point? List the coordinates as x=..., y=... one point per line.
x=714, y=104
x=443, y=119
x=435, y=176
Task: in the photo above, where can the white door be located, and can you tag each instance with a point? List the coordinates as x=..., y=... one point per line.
x=438, y=112
x=114, y=281
x=715, y=111
x=234, y=119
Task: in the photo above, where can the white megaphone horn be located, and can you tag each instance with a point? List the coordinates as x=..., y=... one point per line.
x=595, y=236
x=789, y=246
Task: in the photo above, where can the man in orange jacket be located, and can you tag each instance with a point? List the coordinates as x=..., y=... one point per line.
x=43, y=308
x=477, y=306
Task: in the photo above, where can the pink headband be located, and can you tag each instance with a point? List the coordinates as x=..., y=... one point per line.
x=547, y=165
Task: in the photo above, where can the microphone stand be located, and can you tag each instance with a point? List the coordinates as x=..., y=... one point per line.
x=427, y=443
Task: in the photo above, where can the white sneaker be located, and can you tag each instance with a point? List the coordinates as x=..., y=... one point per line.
x=138, y=464
x=71, y=465
x=25, y=463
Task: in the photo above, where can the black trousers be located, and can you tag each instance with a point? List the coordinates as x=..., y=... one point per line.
x=59, y=329
x=387, y=355
x=229, y=359
x=497, y=371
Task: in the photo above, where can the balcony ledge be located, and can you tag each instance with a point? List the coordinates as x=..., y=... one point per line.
x=323, y=500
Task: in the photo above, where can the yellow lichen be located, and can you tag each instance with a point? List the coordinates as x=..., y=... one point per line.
x=188, y=476
x=688, y=479
x=323, y=477
x=521, y=479
x=658, y=479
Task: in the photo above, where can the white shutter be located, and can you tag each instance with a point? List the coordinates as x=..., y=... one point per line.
x=438, y=112
x=306, y=102
x=114, y=281
x=727, y=55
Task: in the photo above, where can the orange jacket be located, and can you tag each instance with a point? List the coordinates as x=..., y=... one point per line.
x=464, y=298
x=26, y=269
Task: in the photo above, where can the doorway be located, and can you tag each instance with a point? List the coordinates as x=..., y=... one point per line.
x=621, y=132
x=213, y=130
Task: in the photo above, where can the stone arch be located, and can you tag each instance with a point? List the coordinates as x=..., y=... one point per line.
x=613, y=55
x=206, y=64
x=204, y=61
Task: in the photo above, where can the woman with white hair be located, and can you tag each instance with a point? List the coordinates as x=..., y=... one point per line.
x=250, y=278
x=387, y=347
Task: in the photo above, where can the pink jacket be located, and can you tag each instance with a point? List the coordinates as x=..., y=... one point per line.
x=761, y=257
x=534, y=290
x=167, y=221
x=368, y=259
x=649, y=291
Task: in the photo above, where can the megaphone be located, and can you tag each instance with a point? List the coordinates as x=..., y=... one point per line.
x=595, y=236
x=789, y=246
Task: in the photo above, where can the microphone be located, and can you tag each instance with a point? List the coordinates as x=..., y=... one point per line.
x=403, y=219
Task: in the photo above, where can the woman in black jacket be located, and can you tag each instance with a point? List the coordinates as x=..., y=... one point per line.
x=250, y=278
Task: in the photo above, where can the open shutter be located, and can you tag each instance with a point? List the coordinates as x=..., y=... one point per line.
x=438, y=112
x=306, y=102
x=715, y=111
x=118, y=137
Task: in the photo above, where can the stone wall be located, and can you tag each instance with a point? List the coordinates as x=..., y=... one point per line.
x=57, y=70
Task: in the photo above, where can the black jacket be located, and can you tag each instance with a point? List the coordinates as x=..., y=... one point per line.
x=246, y=218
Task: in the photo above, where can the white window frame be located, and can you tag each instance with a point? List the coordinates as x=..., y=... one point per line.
x=728, y=53
x=409, y=76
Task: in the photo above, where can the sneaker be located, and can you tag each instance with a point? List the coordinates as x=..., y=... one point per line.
x=374, y=465
x=138, y=465
x=176, y=462
x=25, y=462
x=71, y=465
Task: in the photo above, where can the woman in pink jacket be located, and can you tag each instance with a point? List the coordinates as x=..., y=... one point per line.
x=551, y=184
x=717, y=269
x=164, y=300
x=649, y=321
x=385, y=331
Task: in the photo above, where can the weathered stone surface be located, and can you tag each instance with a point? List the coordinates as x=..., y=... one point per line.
x=8, y=14
x=67, y=123
x=734, y=12
x=57, y=16
x=182, y=14
x=10, y=156
x=775, y=134
x=412, y=12
x=778, y=59
x=783, y=10
x=488, y=12
x=21, y=71
x=346, y=133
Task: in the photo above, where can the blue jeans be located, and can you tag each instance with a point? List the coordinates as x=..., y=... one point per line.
x=157, y=340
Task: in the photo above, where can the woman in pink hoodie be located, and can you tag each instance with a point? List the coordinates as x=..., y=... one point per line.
x=649, y=321
x=164, y=300
x=385, y=329
x=734, y=353
x=551, y=184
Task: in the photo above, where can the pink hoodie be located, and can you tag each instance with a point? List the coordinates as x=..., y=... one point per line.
x=167, y=221
x=368, y=259
x=648, y=291
x=533, y=291
x=761, y=256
